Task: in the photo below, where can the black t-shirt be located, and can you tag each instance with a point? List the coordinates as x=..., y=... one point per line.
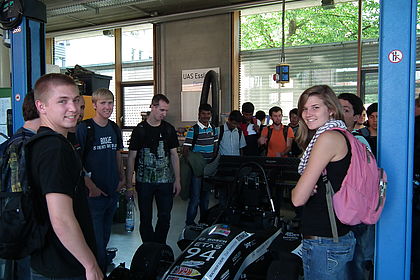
x=315, y=219
x=56, y=168
x=153, y=145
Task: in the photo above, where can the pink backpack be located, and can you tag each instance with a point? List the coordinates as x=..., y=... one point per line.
x=361, y=197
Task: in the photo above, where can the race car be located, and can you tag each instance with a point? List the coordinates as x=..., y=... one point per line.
x=245, y=240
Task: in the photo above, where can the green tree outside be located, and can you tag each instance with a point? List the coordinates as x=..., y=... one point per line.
x=308, y=26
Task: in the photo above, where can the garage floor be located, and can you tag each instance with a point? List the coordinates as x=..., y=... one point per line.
x=128, y=242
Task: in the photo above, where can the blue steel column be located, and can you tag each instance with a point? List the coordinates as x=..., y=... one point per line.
x=28, y=62
x=395, y=136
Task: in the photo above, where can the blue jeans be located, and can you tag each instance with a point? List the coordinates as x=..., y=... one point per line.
x=18, y=269
x=325, y=260
x=102, y=210
x=198, y=198
x=363, y=251
x=37, y=276
x=163, y=194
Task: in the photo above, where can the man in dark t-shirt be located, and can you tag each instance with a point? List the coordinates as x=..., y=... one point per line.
x=153, y=156
x=56, y=171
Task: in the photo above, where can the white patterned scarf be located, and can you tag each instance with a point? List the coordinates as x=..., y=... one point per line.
x=327, y=126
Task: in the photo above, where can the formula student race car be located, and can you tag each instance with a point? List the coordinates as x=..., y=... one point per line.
x=246, y=240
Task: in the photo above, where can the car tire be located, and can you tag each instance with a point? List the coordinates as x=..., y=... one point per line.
x=151, y=260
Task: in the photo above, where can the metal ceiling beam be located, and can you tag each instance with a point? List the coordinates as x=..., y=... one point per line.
x=173, y=17
x=81, y=20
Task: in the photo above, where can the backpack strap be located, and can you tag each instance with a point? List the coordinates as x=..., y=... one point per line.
x=269, y=133
x=285, y=130
x=329, y=191
x=195, y=135
x=90, y=138
x=117, y=132
x=221, y=132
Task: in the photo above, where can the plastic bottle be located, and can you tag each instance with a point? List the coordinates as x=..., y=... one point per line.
x=129, y=218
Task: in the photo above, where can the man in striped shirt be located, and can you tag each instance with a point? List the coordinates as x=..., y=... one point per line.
x=201, y=138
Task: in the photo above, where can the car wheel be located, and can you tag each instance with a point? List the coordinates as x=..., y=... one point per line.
x=151, y=260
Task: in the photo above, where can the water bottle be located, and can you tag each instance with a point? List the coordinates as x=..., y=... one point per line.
x=129, y=218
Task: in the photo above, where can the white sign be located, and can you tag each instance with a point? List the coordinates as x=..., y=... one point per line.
x=192, y=80
x=395, y=56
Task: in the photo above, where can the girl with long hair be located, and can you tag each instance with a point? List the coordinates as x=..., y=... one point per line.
x=319, y=111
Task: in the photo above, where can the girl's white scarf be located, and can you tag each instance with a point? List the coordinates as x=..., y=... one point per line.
x=327, y=126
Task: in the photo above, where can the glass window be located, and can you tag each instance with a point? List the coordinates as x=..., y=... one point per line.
x=137, y=56
x=136, y=100
x=87, y=48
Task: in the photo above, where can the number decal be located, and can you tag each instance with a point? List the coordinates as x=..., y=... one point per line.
x=194, y=251
x=208, y=255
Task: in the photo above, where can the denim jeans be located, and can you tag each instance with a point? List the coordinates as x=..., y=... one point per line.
x=325, y=260
x=363, y=251
x=37, y=276
x=198, y=198
x=18, y=269
x=102, y=210
x=163, y=194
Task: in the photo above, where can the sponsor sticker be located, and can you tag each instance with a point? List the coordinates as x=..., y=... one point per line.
x=298, y=251
x=185, y=271
x=194, y=264
x=220, y=230
x=176, y=278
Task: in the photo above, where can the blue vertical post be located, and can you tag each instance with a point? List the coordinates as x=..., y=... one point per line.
x=396, y=135
x=28, y=62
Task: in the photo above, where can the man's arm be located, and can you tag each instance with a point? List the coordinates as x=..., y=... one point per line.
x=132, y=154
x=67, y=229
x=175, y=166
x=121, y=172
x=263, y=138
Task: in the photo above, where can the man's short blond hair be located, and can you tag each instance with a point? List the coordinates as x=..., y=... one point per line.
x=102, y=93
x=45, y=83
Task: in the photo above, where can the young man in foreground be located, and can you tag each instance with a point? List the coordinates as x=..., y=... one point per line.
x=56, y=172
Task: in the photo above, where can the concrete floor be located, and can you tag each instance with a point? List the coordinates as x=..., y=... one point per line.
x=128, y=242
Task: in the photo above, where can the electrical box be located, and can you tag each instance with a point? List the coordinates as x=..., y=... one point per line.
x=282, y=73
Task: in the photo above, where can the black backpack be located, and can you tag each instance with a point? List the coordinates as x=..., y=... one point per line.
x=22, y=229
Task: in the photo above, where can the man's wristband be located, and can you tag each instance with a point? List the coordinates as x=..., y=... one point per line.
x=130, y=189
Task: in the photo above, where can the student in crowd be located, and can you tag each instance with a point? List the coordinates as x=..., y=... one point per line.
x=276, y=137
x=260, y=116
x=361, y=120
x=357, y=269
x=154, y=158
x=201, y=138
x=250, y=129
x=319, y=111
x=57, y=172
x=231, y=141
x=294, y=124
x=352, y=110
x=104, y=172
x=370, y=132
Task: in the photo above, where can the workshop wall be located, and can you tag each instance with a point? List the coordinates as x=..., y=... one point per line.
x=194, y=44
